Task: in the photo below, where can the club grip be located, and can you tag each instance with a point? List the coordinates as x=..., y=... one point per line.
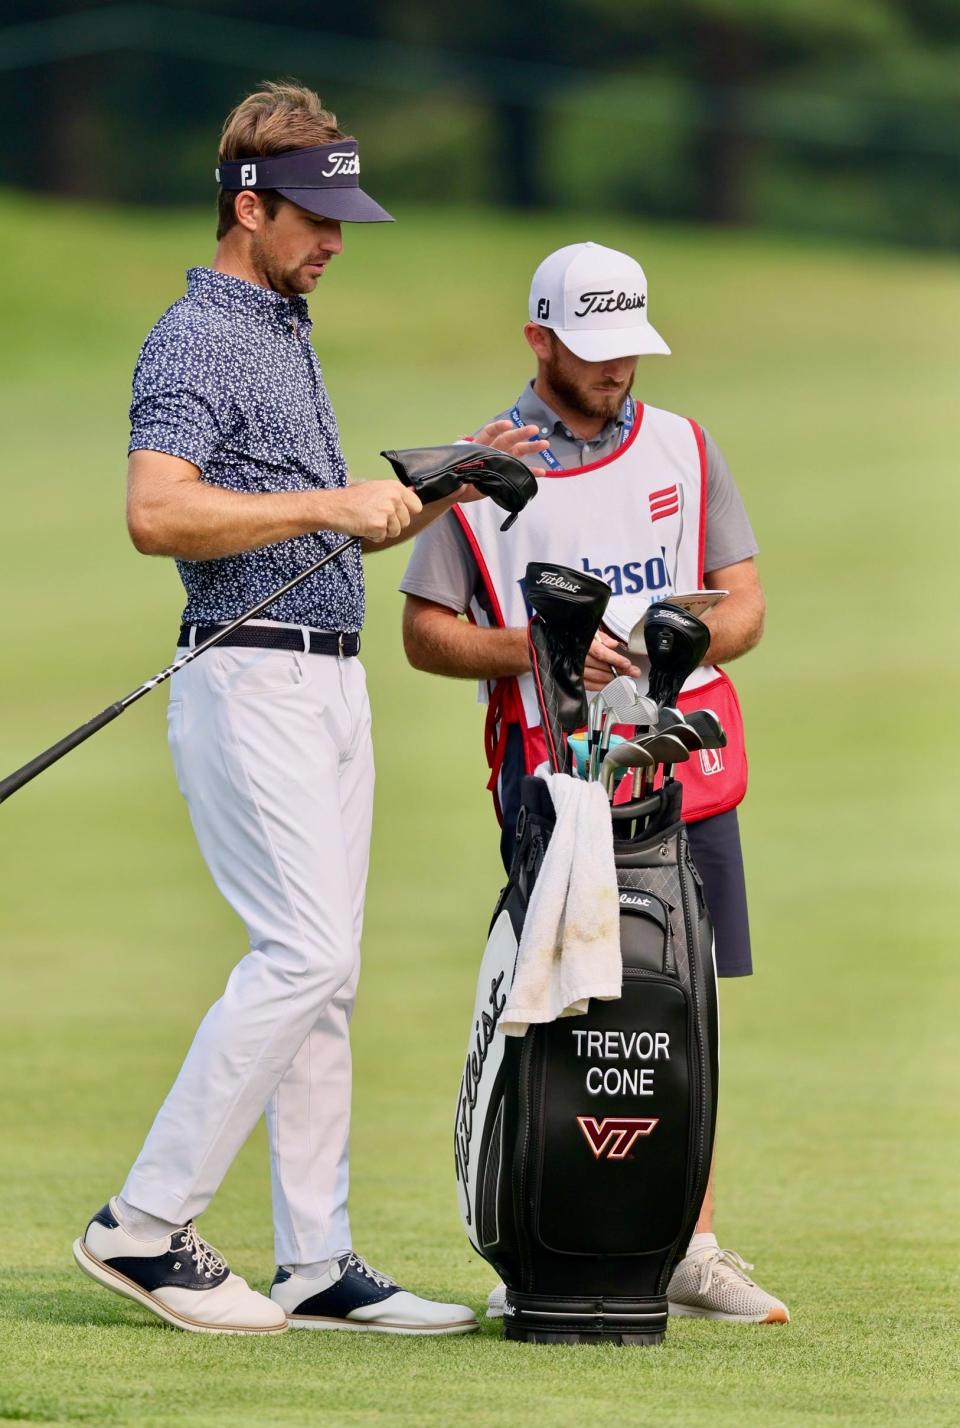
x=56, y=751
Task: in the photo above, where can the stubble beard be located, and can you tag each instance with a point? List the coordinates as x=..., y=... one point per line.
x=288, y=282
x=588, y=404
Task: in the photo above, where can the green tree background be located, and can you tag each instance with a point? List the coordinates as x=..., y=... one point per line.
x=794, y=114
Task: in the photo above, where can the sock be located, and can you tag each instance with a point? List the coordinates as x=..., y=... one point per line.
x=141, y=1225
x=704, y=1240
x=313, y=1271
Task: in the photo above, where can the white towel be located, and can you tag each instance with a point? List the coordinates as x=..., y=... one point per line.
x=570, y=945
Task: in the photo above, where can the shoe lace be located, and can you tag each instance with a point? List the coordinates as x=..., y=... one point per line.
x=204, y=1256
x=722, y=1264
x=356, y=1261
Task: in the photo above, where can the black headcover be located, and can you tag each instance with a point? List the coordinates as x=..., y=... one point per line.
x=676, y=643
x=436, y=471
x=569, y=606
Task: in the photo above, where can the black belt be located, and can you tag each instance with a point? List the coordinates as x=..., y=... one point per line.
x=268, y=638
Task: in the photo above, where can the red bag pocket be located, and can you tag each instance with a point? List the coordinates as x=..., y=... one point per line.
x=713, y=780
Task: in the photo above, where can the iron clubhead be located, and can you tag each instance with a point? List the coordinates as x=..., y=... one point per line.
x=687, y=735
x=628, y=755
x=709, y=728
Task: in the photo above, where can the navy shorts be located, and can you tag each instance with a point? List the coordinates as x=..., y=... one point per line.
x=714, y=843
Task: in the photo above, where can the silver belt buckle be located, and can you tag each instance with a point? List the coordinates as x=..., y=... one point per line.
x=340, y=650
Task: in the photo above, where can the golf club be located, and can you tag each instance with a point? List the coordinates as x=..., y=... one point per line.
x=56, y=751
x=622, y=703
x=431, y=472
x=687, y=736
x=708, y=726
x=628, y=755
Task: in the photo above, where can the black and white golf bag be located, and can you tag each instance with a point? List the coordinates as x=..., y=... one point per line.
x=583, y=1147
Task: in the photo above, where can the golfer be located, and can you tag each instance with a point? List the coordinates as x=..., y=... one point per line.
x=644, y=500
x=236, y=471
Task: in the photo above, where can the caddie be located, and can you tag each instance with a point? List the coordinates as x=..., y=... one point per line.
x=236, y=471
x=644, y=499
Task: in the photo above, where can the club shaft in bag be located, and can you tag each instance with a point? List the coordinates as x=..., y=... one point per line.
x=56, y=751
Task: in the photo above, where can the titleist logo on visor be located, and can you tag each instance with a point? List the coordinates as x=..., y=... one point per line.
x=341, y=163
x=606, y=300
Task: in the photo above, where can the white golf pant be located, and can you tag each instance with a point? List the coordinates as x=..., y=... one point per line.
x=272, y=752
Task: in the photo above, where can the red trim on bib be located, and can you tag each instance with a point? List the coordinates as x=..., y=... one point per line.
x=605, y=460
x=702, y=538
x=481, y=565
x=505, y=705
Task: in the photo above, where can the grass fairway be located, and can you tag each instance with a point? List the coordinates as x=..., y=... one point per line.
x=824, y=374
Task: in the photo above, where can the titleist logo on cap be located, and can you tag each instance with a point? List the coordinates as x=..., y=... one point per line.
x=595, y=300
x=604, y=300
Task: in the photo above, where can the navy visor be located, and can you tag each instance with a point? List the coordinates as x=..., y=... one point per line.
x=323, y=180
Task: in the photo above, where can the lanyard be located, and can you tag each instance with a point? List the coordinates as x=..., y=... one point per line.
x=548, y=458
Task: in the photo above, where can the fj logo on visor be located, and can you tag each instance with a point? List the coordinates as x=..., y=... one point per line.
x=248, y=174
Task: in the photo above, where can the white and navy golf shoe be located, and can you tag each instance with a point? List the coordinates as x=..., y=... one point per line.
x=180, y=1278
x=354, y=1296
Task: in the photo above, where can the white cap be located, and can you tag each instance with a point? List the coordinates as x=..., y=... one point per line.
x=595, y=300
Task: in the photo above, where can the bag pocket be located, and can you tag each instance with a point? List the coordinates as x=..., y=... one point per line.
x=611, y=1114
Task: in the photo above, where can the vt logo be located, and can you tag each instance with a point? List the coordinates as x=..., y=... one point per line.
x=615, y=1136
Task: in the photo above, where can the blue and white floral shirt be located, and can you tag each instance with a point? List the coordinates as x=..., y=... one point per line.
x=228, y=380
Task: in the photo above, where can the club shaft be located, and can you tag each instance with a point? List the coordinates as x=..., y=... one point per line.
x=35, y=766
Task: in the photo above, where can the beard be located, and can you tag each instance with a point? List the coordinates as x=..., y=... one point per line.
x=593, y=404
x=287, y=281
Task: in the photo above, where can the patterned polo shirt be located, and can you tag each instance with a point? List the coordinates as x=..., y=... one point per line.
x=228, y=380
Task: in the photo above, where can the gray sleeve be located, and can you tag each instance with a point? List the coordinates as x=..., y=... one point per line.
x=441, y=567
x=729, y=535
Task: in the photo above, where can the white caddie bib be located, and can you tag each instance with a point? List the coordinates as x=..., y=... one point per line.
x=635, y=520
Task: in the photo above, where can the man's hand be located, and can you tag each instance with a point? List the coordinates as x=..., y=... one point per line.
x=518, y=441
x=605, y=661
x=374, y=510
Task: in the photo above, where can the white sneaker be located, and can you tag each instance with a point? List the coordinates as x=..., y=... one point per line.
x=712, y=1284
x=497, y=1301
x=353, y=1296
x=180, y=1278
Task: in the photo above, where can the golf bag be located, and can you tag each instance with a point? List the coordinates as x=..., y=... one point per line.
x=583, y=1148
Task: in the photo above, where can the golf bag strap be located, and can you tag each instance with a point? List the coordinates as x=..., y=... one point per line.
x=505, y=711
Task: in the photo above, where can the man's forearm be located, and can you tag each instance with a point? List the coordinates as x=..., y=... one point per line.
x=736, y=625
x=209, y=522
x=437, y=641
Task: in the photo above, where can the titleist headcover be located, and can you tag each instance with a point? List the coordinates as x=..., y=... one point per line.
x=568, y=608
x=676, y=643
x=436, y=471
